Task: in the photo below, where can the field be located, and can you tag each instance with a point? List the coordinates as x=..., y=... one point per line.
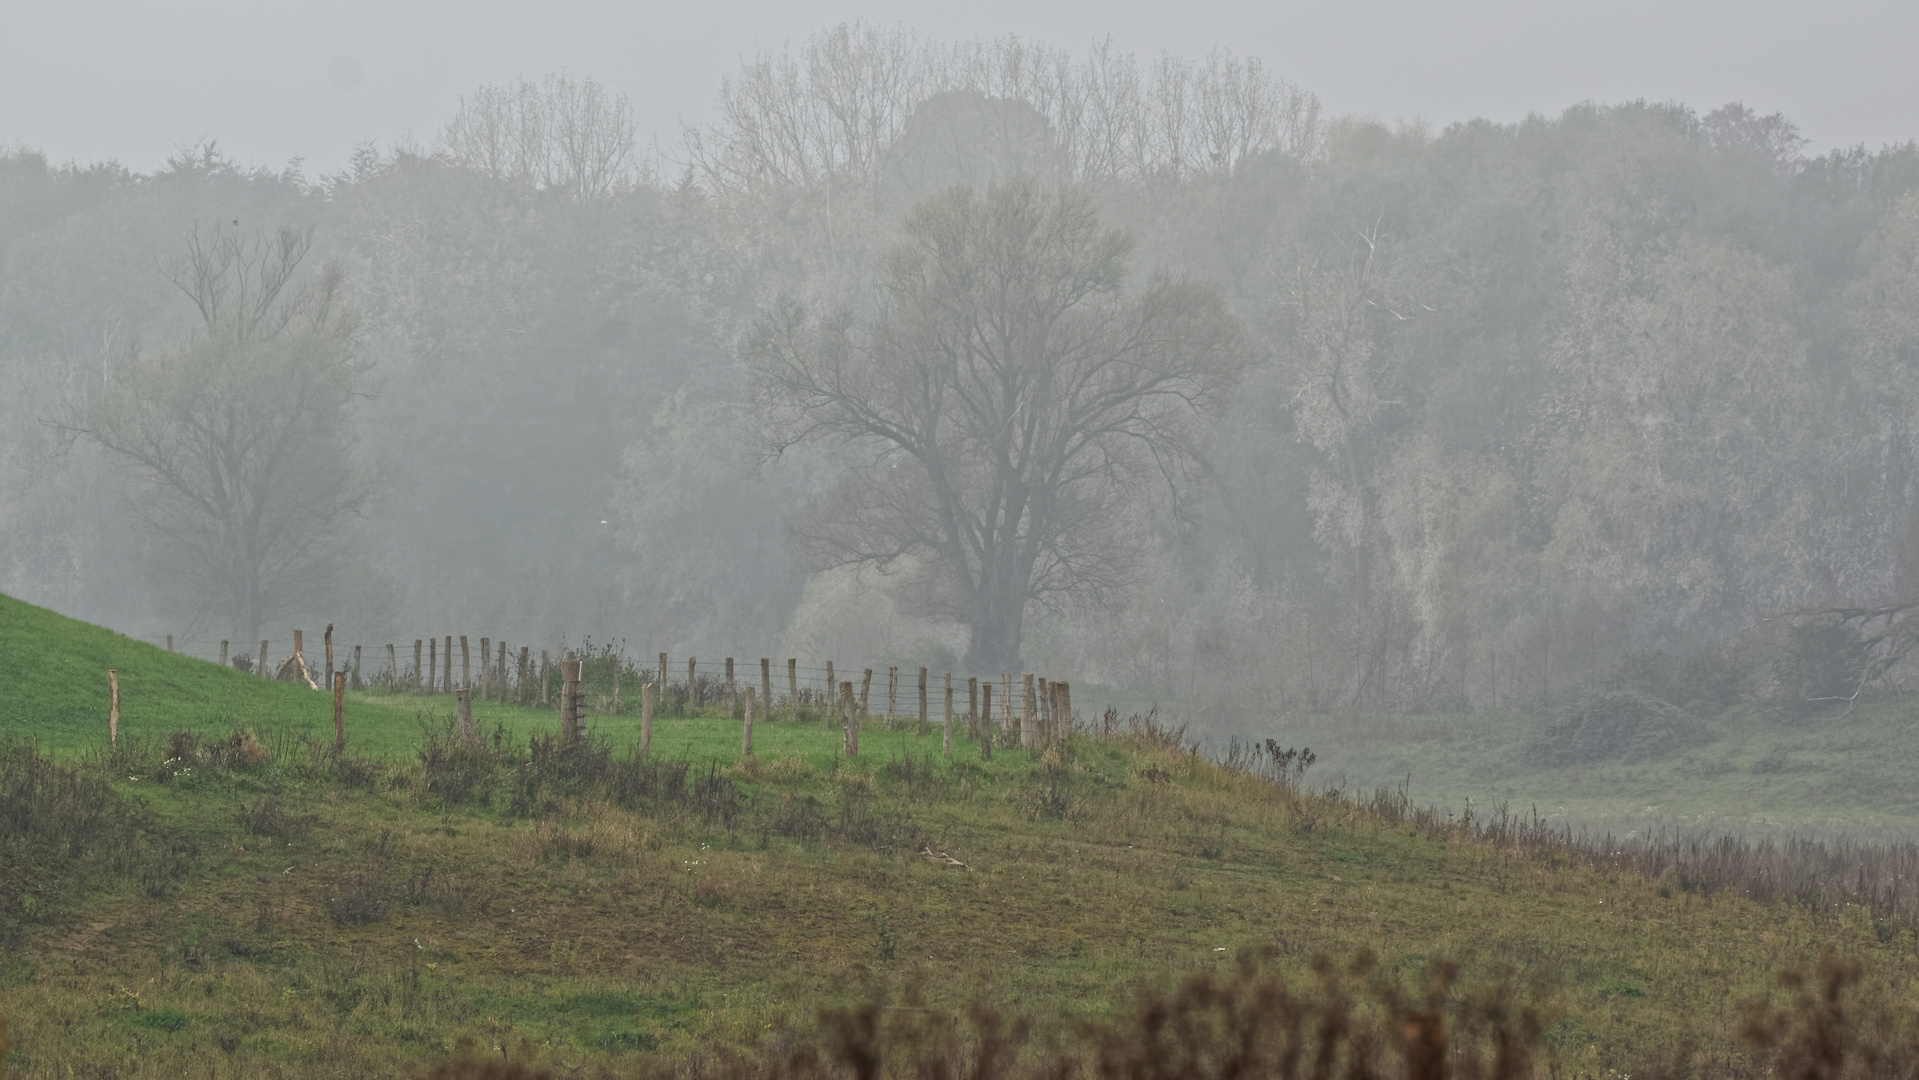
x=286, y=911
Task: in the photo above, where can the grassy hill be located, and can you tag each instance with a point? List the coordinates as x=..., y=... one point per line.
x=246, y=906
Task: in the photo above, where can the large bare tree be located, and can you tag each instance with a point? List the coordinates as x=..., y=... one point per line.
x=245, y=483
x=1010, y=402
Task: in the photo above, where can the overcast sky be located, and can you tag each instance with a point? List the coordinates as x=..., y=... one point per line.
x=273, y=81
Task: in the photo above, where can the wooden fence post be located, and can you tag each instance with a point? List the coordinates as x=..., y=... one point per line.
x=328, y=638
x=113, y=708
x=499, y=672
x=1063, y=711
x=520, y=689
x=260, y=665
x=432, y=663
x=832, y=691
x=732, y=691
x=849, y=721
x=793, y=687
x=356, y=684
x=746, y=732
x=866, y=691
x=1006, y=702
x=570, y=699
x=662, y=683
x=1045, y=709
x=986, y=722
x=1028, y=713
x=546, y=668
x=223, y=653
x=466, y=669
x=972, y=704
x=299, y=649
x=892, y=690
x=693, y=694
x=339, y=711
x=469, y=734
x=614, y=661
x=446, y=667
x=647, y=691
x=416, y=665
x=169, y=642
x=766, y=686
x=392, y=667
x=922, y=700
x=946, y=738
x=486, y=654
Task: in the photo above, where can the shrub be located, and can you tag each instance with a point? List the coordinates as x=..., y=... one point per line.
x=1617, y=725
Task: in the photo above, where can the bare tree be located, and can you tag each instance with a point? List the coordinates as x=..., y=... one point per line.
x=245, y=478
x=1012, y=399
x=561, y=134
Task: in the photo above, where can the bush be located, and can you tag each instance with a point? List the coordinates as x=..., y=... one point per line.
x=1617, y=725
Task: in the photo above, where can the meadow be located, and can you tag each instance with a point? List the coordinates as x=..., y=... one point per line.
x=224, y=895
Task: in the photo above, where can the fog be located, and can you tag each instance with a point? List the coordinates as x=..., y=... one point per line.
x=1426, y=414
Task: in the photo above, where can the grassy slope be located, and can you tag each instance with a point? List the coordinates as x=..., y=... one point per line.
x=594, y=933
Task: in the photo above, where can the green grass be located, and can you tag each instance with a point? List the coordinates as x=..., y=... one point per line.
x=1846, y=772
x=586, y=931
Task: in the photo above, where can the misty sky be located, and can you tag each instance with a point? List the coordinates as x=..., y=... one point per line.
x=88, y=80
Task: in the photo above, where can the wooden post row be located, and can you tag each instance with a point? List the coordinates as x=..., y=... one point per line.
x=986, y=721
x=339, y=711
x=746, y=733
x=469, y=734
x=849, y=721
x=647, y=693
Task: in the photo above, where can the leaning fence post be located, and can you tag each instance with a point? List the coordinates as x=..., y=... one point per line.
x=793, y=687
x=866, y=690
x=986, y=723
x=766, y=686
x=263, y=659
x=892, y=690
x=339, y=711
x=849, y=721
x=946, y=737
x=647, y=691
x=113, y=708
x=468, y=733
x=746, y=732
x=223, y=653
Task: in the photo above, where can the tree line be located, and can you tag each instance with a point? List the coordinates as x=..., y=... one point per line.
x=964, y=354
